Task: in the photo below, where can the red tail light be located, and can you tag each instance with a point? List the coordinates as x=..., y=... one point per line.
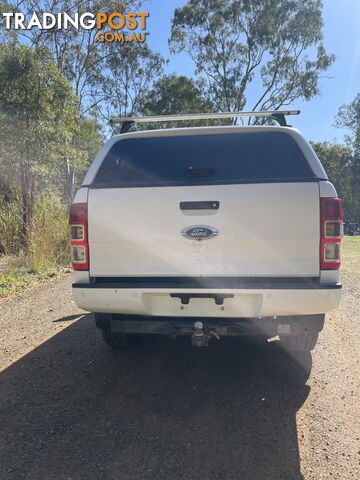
x=78, y=220
x=331, y=224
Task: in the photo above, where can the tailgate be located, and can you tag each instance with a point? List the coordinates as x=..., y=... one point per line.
x=264, y=229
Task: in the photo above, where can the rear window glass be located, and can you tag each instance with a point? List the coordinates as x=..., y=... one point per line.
x=203, y=160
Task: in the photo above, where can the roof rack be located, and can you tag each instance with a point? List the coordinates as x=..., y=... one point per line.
x=127, y=122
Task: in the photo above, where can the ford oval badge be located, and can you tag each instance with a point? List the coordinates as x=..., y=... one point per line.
x=199, y=232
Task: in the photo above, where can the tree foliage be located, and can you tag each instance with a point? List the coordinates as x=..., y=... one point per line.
x=349, y=118
x=176, y=94
x=76, y=53
x=173, y=94
x=236, y=42
x=129, y=77
x=106, y=79
x=38, y=116
x=338, y=163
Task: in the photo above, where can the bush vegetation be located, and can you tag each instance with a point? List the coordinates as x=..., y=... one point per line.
x=48, y=239
x=10, y=225
x=46, y=251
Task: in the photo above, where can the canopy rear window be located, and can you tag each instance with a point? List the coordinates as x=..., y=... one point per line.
x=204, y=160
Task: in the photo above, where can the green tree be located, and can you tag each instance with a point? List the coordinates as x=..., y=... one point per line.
x=338, y=162
x=349, y=118
x=76, y=53
x=38, y=116
x=89, y=139
x=236, y=42
x=107, y=79
x=176, y=94
x=130, y=74
x=69, y=167
x=173, y=94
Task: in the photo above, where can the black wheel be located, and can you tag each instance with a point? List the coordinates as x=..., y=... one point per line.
x=115, y=340
x=102, y=320
x=304, y=341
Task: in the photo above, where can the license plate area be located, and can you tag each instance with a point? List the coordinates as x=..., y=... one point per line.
x=186, y=297
x=212, y=304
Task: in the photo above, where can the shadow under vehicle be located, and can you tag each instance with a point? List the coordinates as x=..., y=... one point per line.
x=72, y=408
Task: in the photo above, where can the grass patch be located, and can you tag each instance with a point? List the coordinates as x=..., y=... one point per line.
x=16, y=276
x=17, y=280
x=46, y=252
x=351, y=255
x=14, y=282
x=49, y=237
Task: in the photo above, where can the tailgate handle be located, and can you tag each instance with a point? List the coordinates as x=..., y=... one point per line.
x=211, y=205
x=218, y=297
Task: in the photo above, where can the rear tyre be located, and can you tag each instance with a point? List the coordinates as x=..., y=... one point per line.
x=301, y=342
x=115, y=340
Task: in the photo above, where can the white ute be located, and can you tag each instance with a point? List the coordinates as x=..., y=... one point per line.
x=207, y=231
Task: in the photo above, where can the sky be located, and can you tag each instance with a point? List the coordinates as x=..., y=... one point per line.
x=341, y=38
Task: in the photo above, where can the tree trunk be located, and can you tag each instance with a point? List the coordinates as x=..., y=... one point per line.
x=69, y=181
x=27, y=192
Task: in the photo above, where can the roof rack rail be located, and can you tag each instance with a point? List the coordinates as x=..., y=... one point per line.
x=127, y=122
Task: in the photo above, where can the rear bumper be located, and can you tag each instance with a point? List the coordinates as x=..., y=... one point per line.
x=304, y=299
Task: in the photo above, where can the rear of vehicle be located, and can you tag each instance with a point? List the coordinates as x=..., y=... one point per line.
x=209, y=232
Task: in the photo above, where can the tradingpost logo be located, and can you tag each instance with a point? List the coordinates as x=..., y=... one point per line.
x=112, y=27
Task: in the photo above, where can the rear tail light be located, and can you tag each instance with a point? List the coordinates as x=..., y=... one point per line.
x=78, y=221
x=331, y=224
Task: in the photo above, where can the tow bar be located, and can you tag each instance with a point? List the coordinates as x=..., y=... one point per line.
x=200, y=338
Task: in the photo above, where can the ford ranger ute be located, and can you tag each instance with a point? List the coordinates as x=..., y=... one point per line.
x=207, y=232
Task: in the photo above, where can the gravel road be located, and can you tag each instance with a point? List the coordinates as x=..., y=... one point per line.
x=72, y=409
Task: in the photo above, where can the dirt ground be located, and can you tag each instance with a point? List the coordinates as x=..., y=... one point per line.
x=70, y=408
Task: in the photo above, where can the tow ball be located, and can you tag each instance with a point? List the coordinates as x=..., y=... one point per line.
x=200, y=337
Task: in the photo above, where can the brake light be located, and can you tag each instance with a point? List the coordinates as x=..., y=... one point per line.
x=331, y=224
x=78, y=220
